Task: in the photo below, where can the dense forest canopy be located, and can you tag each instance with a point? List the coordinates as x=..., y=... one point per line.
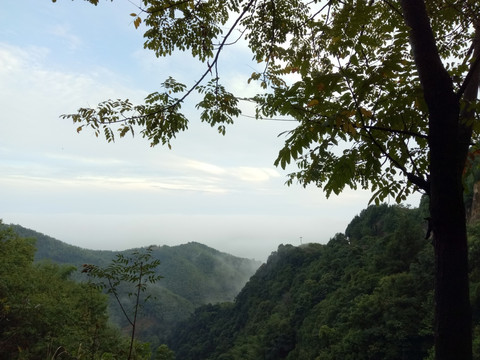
x=367, y=294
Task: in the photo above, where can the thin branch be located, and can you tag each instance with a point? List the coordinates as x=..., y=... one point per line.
x=210, y=66
x=114, y=292
x=215, y=60
x=392, y=6
x=163, y=8
x=242, y=32
x=468, y=78
x=396, y=131
x=268, y=119
x=137, y=301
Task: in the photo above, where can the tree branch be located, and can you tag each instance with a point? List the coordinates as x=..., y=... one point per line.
x=470, y=84
x=470, y=76
x=435, y=80
x=210, y=66
x=396, y=131
x=419, y=181
x=114, y=292
x=214, y=62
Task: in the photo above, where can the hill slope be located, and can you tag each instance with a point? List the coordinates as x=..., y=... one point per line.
x=367, y=294
x=193, y=275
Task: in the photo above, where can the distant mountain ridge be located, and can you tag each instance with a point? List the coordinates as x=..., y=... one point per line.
x=193, y=275
x=366, y=294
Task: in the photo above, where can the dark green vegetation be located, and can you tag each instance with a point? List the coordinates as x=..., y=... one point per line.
x=367, y=294
x=46, y=315
x=194, y=275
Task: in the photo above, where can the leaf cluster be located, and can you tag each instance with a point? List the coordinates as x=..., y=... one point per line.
x=138, y=269
x=159, y=118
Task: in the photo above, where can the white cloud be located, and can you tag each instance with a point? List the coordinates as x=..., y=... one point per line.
x=252, y=174
x=64, y=32
x=204, y=167
x=13, y=58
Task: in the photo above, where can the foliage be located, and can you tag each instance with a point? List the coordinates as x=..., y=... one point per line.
x=43, y=313
x=367, y=294
x=164, y=353
x=137, y=270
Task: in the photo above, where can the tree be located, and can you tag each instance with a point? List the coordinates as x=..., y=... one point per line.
x=43, y=312
x=384, y=92
x=139, y=269
x=164, y=353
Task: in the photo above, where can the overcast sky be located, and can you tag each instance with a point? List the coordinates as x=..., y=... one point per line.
x=224, y=192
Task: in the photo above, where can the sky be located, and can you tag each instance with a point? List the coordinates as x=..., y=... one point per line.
x=222, y=191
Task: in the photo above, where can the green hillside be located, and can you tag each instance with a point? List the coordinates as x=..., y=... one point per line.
x=193, y=275
x=367, y=294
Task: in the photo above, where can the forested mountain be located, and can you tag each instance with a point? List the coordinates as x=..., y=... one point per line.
x=367, y=294
x=193, y=275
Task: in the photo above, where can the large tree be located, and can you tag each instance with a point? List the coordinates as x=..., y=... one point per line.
x=384, y=92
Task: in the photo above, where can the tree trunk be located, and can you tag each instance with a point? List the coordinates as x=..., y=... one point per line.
x=448, y=151
x=449, y=139
x=453, y=338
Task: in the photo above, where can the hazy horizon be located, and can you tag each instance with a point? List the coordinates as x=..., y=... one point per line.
x=222, y=191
